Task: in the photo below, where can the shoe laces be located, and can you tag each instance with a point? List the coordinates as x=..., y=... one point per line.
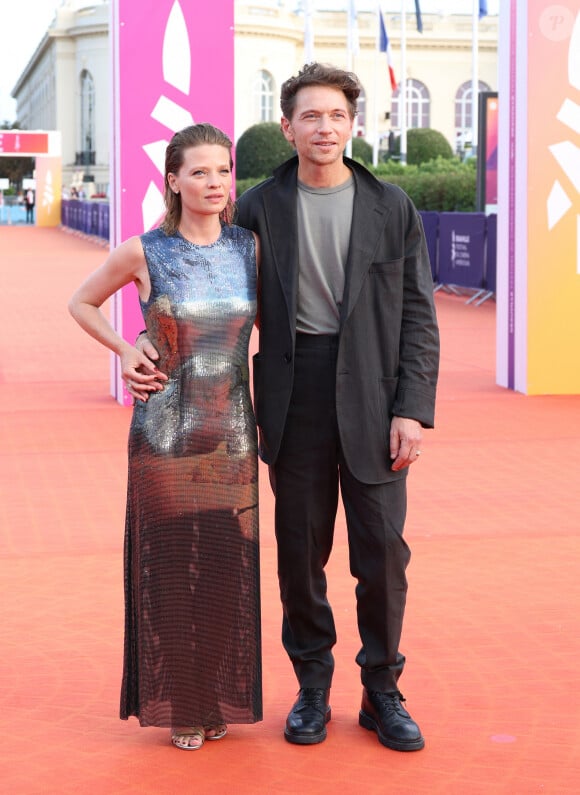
x=313, y=697
x=393, y=701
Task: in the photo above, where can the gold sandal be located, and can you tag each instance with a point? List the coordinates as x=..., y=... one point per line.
x=181, y=738
x=219, y=731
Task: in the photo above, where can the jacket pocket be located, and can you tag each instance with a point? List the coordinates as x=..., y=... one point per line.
x=390, y=266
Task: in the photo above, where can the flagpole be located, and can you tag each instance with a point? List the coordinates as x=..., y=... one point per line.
x=376, y=91
x=474, y=76
x=403, y=88
x=308, y=32
x=352, y=46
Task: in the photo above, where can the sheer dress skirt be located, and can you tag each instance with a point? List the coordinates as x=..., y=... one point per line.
x=192, y=632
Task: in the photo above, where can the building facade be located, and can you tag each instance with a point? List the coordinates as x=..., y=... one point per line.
x=269, y=46
x=66, y=84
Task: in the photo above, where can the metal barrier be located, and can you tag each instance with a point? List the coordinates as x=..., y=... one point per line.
x=90, y=217
x=463, y=252
x=11, y=211
x=462, y=246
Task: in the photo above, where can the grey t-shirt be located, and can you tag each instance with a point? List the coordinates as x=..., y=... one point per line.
x=324, y=221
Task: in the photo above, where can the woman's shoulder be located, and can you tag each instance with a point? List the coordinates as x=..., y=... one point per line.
x=158, y=240
x=235, y=232
x=153, y=234
x=132, y=246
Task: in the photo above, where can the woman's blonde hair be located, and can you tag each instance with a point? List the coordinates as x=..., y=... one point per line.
x=196, y=135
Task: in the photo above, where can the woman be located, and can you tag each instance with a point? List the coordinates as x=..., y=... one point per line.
x=192, y=632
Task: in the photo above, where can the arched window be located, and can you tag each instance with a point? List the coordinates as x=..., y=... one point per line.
x=464, y=111
x=418, y=106
x=264, y=97
x=87, y=118
x=361, y=116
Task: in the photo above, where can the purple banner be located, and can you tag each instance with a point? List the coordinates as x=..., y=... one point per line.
x=511, y=344
x=490, y=276
x=461, y=249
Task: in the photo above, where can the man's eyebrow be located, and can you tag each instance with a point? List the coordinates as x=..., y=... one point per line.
x=333, y=110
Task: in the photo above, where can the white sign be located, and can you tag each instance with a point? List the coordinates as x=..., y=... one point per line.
x=4, y=183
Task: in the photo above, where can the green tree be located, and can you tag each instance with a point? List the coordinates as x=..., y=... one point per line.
x=260, y=149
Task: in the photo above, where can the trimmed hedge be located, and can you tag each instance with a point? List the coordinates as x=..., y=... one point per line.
x=424, y=144
x=242, y=185
x=362, y=151
x=260, y=149
x=440, y=185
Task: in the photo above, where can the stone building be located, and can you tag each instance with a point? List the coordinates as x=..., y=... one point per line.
x=65, y=86
x=269, y=46
x=66, y=83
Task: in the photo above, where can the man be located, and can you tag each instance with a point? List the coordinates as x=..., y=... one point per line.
x=29, y=201
x=344, y=382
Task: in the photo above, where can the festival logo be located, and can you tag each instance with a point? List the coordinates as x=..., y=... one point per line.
x=566, y=152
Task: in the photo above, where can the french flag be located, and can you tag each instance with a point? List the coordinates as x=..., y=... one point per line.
x=385, y=46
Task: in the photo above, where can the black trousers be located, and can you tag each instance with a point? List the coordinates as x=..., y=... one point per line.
x=305, y=480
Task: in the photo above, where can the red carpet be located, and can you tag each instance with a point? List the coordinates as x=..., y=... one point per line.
x=492, y=633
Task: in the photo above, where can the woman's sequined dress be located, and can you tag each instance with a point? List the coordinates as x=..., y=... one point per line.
x=192, y=620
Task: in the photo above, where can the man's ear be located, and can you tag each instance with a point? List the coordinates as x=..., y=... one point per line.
x=286, y=129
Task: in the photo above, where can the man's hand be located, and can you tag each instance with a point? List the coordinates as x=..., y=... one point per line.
x=405, y=442
x=139, y=371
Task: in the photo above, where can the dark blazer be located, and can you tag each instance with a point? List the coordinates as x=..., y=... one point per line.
x=388, y=351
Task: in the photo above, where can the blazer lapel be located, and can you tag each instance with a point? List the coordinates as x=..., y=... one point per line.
x=369, y=219
x=281, y=219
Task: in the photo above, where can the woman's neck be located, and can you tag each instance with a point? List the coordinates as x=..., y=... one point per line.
x=202, y=230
